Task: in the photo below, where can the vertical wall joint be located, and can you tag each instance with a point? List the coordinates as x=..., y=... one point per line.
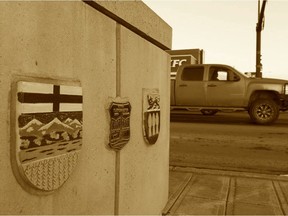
x=118, y=94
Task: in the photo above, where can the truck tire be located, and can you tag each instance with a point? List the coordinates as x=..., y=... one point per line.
x=209, y=112
x=264, y=111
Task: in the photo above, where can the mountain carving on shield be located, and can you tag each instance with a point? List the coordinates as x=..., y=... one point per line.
x=56, y=141
x=37, y=128
x=32, y=128
x=55, y=126
x=75, y=124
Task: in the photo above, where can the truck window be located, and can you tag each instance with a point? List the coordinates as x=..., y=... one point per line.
x=193, y=74
x=218, y=74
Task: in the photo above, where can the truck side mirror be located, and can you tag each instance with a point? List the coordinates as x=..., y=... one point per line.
x=236, y=78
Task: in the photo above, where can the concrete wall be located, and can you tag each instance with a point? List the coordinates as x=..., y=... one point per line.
x=71, y=42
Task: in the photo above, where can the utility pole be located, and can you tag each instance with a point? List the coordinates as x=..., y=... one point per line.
x=259, y=28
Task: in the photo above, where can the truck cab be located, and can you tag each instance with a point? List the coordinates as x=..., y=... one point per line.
x=206, y=85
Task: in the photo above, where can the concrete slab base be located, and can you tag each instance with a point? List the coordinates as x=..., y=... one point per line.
x=201, y=192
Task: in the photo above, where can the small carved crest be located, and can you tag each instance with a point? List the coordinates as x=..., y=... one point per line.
x=151, y=115
x=119, y=124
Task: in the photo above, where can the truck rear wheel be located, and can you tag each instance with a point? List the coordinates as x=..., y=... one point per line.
x=209, y=111
x=264, y=111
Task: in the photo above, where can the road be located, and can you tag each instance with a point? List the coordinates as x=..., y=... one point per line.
x=229, y=141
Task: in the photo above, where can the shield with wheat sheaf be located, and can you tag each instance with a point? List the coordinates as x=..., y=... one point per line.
x=151, y=115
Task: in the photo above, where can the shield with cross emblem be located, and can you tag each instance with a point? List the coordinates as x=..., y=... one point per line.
x=48, y=133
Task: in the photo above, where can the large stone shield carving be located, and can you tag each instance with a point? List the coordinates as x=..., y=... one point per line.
x=48, y=133
x=151, y=115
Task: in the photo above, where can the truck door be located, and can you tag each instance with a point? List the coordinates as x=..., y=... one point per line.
x=225, y=88
x=190, y=87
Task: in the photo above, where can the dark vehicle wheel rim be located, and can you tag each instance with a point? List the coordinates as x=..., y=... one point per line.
x=264, y=111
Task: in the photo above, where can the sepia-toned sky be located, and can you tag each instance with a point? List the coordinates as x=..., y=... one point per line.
x=226, y=31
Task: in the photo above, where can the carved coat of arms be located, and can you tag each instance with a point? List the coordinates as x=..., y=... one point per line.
x=151, y=115
x=48, y=133
x=119, y=124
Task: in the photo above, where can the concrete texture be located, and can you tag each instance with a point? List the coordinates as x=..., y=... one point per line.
x=150, y=25
x=144, y=172
x=213, y=192
x=71, y=42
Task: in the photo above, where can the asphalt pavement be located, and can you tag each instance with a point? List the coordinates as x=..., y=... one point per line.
x=215, y=192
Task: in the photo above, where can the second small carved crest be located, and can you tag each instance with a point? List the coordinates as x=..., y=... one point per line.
x=151, y=115
x=119, y=124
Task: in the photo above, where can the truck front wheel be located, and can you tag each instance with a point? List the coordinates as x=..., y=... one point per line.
x=209, y=111
x=264, y=111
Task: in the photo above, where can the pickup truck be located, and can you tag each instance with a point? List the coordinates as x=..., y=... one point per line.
x=210, y=88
